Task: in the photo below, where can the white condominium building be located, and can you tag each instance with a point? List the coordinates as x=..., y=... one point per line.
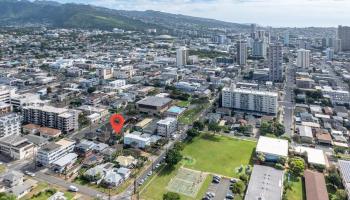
x=181, y=56
x=10, y=124
x=51, y=152
x=60, y=118
x=250, y=100
x=303, y=59
x=166, y=127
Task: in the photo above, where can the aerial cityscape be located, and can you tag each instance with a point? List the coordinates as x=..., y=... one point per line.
x=136, y=100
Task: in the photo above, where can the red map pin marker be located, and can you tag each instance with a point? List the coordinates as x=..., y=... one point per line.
x=117, y=122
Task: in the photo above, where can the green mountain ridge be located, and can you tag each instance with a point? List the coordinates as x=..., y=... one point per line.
x=66, y=15
x=20, y=12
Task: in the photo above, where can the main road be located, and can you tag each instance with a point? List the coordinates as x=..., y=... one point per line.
x=288, y=103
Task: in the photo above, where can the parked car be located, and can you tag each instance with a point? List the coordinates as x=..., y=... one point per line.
x=72, y=188
x=28, y=173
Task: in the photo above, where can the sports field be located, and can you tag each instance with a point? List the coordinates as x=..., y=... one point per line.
x=207, y=153
x=218, y=154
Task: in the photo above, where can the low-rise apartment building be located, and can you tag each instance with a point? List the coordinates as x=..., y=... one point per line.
x=16, y=147
x=51, y=152
x=166, y=127
x=10, y=124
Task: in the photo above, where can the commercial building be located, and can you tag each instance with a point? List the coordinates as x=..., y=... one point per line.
x=60, y=118
x=16, y=147
x=250, y=100
x=272, y=148
x=242, y=52
x=266, y=183
x=51, y=152
x=154, y=105
x=166, y=127
x=275, y=62
x=181, y=56
x=303, y=59
x=344, y=36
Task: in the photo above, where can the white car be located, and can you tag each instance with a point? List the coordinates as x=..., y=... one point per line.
x=72, y=188
x=28, y=173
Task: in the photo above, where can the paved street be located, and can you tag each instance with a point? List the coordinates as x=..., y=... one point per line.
x=65, y=184
x=288, y=103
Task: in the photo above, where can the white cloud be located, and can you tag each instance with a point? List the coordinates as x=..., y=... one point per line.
x=266, y=12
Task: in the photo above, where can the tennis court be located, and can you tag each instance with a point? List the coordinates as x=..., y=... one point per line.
x=187, y=182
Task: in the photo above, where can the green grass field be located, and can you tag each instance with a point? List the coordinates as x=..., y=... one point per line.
x=297, y=191
x=218, y=154
x=207, y=153
x=190, y=115
x=157, y=186
x=183, y=104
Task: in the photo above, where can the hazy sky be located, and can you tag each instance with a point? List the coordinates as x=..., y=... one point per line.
x=265, y=12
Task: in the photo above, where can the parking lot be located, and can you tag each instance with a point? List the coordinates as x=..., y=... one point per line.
x=220, y=189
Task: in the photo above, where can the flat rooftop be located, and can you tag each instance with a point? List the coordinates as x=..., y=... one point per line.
x=155, y=101
x=272, y=146
x=266, y=183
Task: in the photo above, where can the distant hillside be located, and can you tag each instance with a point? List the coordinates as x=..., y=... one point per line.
x=13, y=12
x=19, y=12
x=176, y=20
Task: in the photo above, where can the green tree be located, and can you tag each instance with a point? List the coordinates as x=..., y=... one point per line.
x=214, y=127
x=48, y=90
x=341, y=195
x=334, y=179
x=5, y=196
x=171, y=196
x=192, y=132
x=198, y=125
x=179, y=146
x=91, y=90
x=238, y=187
x=282, y=160
x=244, y=178
x=172, y=157
x=296, y=166
x=260, y=157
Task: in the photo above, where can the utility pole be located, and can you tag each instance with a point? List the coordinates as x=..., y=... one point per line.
x=135, y=186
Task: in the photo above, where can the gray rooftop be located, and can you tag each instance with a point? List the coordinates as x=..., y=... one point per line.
x=154, y=101
x=266, y=183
